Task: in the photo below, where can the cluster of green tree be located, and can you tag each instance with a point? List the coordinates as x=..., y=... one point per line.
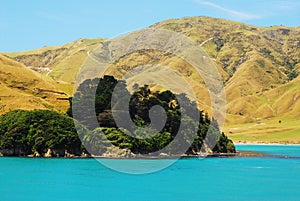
x=137, y=136
x=26, y=132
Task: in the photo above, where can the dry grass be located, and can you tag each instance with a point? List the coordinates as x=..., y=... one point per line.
x=18, y=89
x=269, y=131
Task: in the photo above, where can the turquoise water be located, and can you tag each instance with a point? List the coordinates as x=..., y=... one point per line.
x=267, y=178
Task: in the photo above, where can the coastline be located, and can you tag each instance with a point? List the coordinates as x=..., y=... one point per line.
x=238, y=154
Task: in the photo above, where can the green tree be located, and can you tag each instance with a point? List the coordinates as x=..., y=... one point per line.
x=182, y=115
x=25, y=132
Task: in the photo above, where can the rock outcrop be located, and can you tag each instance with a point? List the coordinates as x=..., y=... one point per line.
x=116, y=152
x=68, y=155
x=48, y=154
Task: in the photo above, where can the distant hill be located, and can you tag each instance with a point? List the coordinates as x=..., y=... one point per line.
x=260, y=65
x=59, y=63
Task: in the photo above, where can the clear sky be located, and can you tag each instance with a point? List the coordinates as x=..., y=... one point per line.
x=32, y=24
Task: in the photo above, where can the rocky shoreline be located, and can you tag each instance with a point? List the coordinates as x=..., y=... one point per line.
x=128, y=155
x=117, y=153
x=114, y=152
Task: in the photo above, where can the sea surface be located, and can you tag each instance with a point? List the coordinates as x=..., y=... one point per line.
x=275, y=177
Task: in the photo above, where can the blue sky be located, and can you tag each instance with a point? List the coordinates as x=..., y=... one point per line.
x=31, y=24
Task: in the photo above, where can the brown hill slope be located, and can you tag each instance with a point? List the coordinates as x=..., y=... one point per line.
x=23, y=88
x=256, y=62
x=59, y=63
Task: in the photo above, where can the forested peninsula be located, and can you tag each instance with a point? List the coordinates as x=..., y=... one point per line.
x=46, y=133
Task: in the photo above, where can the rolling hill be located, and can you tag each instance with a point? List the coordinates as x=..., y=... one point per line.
x=58, y=63
x=23, y=88
x=259, y=65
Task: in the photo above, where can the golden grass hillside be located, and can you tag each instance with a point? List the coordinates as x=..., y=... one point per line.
x=60, y=63
x=22, y=88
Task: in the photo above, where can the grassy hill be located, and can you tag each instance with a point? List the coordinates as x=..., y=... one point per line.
x=259, y=65
x=24, y=88
x=60, y=63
